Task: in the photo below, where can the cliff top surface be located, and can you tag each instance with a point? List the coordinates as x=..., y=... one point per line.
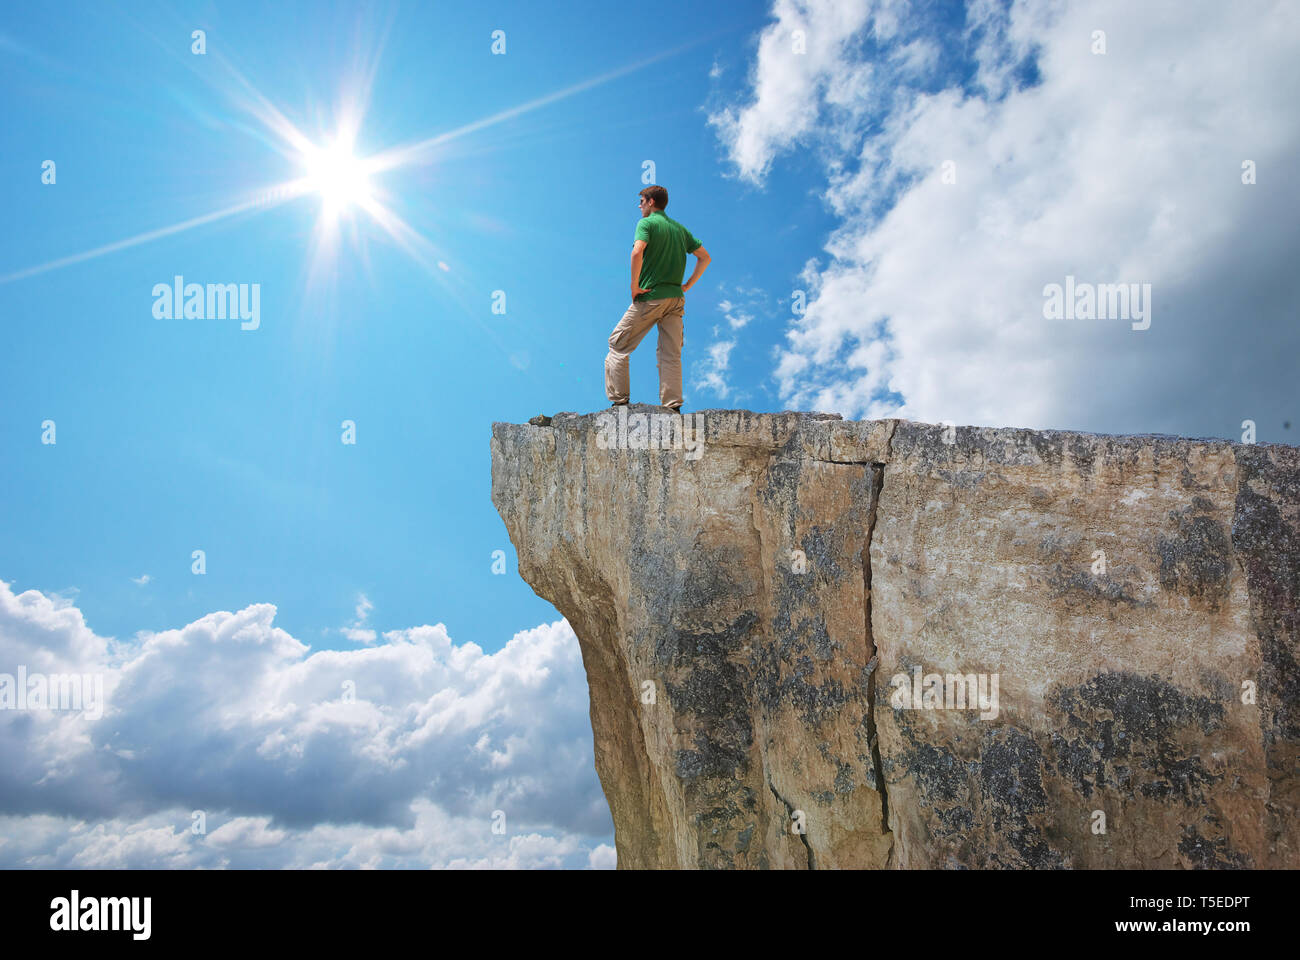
x=828, y=436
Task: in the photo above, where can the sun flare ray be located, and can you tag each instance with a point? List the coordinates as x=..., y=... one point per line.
x=264, y=199
x=333, y=171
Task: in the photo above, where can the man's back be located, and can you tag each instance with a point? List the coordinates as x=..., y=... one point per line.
x=664, y=261
x=658, y=299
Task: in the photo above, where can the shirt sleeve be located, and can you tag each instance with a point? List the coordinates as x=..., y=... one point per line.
x=642, y=230
x=691, y=243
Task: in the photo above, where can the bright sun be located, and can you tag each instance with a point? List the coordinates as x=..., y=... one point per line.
x=339, y=177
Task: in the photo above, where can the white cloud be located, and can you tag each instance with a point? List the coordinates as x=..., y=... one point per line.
x=786, y=82
x=391, y=755
x=142, y=579
x=735, y=316
x=712, y=375
x=603, y=857
x=739, y=306
x=364, y=606
x=358, y=632
x=1122, y=167
x=245, y=832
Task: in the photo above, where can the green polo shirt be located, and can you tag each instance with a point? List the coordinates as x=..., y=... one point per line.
x=663, y=262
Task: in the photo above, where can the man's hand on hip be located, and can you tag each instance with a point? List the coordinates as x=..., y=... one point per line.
x=637, y=291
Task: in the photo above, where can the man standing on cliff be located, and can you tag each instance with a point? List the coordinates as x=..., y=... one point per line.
x=658, y=262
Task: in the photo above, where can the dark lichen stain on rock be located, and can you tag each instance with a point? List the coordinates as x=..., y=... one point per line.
x=1197, y=558
x=1011, y=775
x=687, y=649
x=725, y=822
x=707, y=684
x=962, y=479
x=1216, y=684
x=785, y=672
x=820, y=549
x=743, y=838
x=1084, y=453
x=1268, y=544
x=869, y=770
x=957, y=819
x=1071, y=579
x=1139, y=720
x=1000, y=790
x=1011, y=781
x=1210, y=854
x=939, y=775
x=711, y=758
x=815, y=629
x=1039, y=496
x=1078, y=587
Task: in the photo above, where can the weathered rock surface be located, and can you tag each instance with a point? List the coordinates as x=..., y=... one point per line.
x=756, y=614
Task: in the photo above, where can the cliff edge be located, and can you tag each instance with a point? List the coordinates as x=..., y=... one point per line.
x=818, y=643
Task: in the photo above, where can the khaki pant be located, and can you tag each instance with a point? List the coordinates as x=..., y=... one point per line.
x=636, y=323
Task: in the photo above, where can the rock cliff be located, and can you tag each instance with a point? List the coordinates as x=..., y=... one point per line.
x=816, y=643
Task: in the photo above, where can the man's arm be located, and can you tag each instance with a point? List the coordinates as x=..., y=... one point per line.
x=638, y=248
x=702, y=261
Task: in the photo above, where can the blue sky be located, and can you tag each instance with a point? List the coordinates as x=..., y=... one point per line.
x=817, y=169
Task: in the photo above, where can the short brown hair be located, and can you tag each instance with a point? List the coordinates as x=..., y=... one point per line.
x=656, y=195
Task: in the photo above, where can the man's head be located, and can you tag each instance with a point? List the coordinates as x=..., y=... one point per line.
x=652, y=199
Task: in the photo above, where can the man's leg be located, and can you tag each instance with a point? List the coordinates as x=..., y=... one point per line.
x=636, y=323
x=672, y=334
